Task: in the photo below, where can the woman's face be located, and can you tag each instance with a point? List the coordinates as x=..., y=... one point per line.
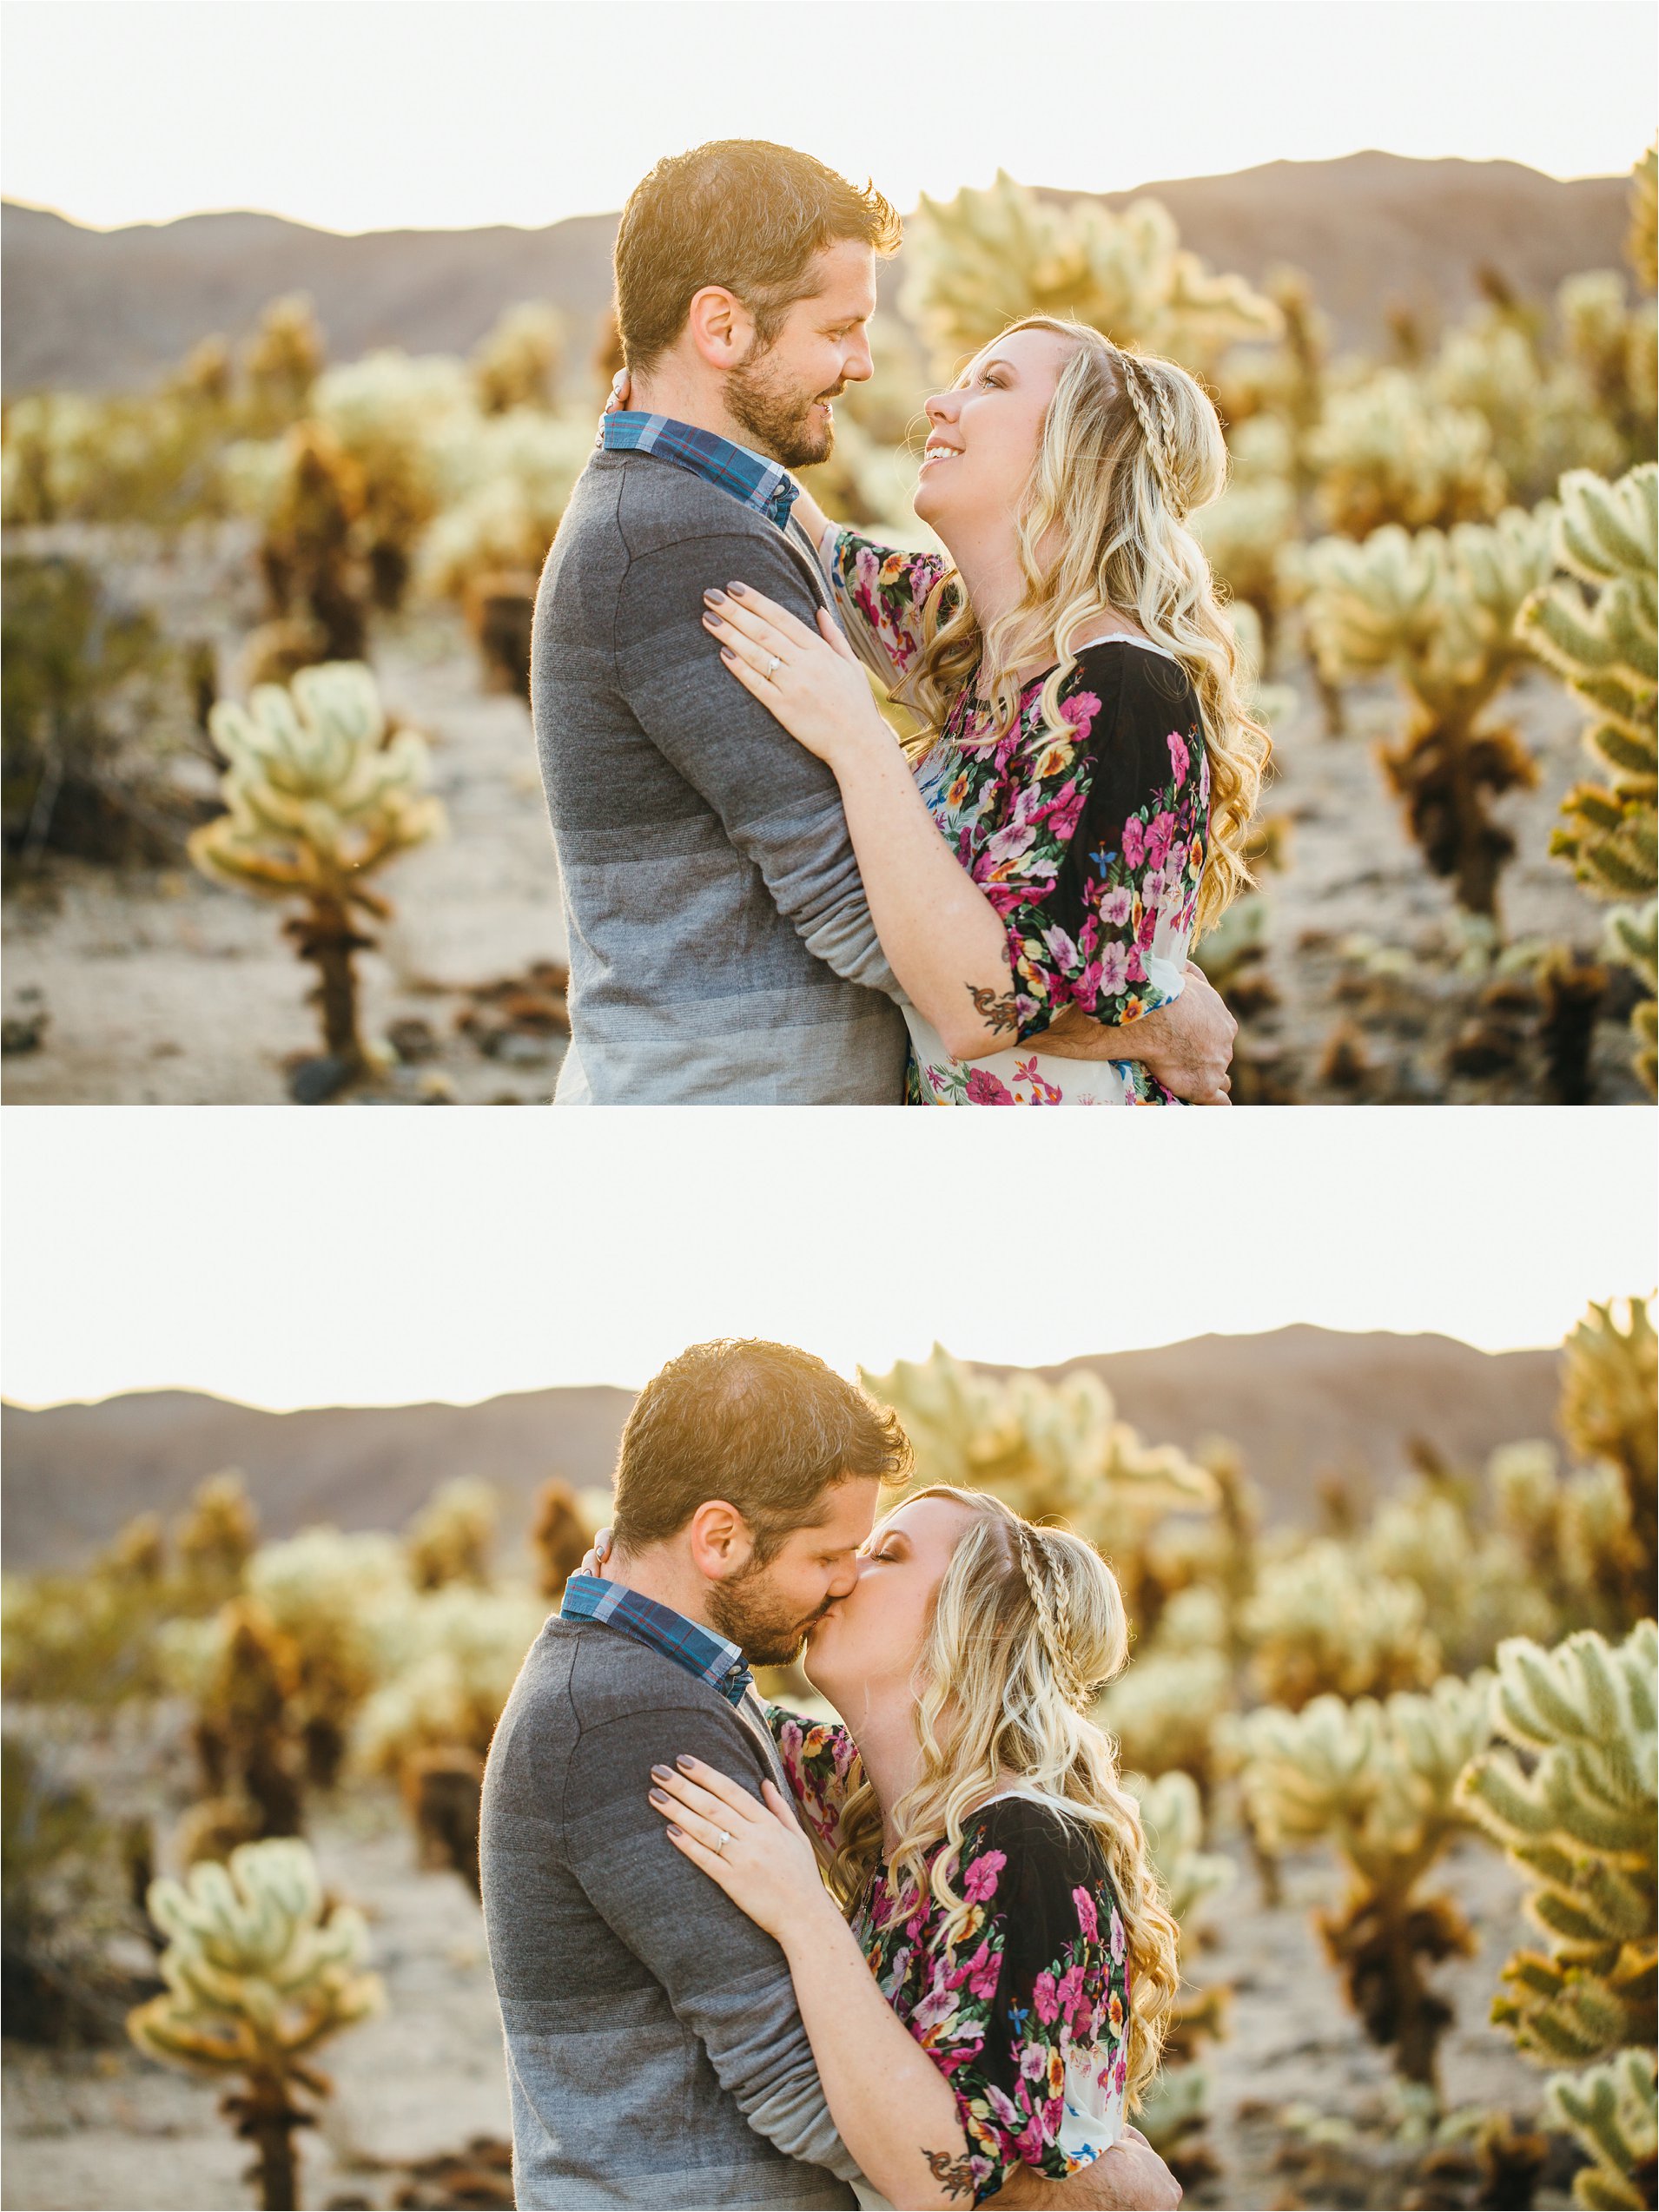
x=867, y=1643
x=983, y=433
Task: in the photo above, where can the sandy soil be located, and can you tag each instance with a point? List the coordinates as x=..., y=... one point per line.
x=163, y=988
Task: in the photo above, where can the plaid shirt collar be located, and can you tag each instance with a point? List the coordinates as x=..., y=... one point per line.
x=712, y=1659
x=766, y=485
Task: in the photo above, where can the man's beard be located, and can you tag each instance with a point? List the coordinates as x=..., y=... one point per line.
x=779, y=422
x=761, y=1626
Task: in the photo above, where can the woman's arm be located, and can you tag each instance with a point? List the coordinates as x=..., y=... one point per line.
x=943, y=939
x=894, y=2111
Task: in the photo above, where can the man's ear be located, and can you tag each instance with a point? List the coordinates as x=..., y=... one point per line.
x=721, y=327
x=722, y=1544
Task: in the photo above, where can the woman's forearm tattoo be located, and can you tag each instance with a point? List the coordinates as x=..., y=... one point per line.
x=1002, y=1013
x=954, y=2176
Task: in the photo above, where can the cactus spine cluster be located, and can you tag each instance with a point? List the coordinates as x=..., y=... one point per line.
x=1578, y=1821
x=1605, y=652
x=319, y=799
x=258, y=1976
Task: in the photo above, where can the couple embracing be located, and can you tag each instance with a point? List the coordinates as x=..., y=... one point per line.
x=746, y=1956
x=769, y=898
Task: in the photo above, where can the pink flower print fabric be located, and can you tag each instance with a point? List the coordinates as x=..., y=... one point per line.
x=1025, y=2010
x=1089, y=840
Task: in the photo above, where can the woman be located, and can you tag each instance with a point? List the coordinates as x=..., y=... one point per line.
x=1002, y=1989
x=1085, y=750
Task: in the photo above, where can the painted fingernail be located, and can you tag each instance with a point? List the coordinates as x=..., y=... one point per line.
x=714, y=596
x=738, y=588
x=656, y=1797
x=686, y=1765
x=663, y=1773
x=726, y=654
x=673, y=1831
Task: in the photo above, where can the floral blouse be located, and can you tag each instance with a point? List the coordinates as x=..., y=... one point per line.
x=1025, y=2013
x=1090, y=846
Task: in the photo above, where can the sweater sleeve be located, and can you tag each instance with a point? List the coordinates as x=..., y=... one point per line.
x=778, y=805
x=725, y=1978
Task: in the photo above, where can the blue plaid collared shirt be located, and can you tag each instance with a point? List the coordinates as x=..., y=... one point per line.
x=766, y=485
x=714, y=1660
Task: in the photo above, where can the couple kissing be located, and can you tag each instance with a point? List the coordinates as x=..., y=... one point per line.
x=913, y=1956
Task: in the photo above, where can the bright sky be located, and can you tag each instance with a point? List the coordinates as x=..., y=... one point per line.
x=359, y=115
x=288, y=1259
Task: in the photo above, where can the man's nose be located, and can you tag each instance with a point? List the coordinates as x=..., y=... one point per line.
x=860, y=364
x=844, y=1580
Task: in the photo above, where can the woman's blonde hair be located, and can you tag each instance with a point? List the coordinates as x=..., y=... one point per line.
x=1028, y=1623
x=1131, y=445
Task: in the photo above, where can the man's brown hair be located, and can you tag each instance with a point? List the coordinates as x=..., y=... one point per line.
x=742, y=213
x=767, y=1428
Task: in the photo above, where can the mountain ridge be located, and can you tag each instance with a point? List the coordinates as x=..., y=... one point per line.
x=1302, y=1402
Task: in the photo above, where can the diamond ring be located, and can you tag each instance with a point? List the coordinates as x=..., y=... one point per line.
x=723, y=1839
x=773, y=665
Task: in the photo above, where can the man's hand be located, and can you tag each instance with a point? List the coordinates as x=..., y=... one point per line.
x=1187, y=1044
x=1128, y=2176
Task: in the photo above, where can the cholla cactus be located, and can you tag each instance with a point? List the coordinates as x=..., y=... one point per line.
x=507, y=483
x=984, y=259
x=1579, y=1818
x=1610, y=347
x=1440, y=611
x=1609, y=2110
x=309, y=494
x=1053, y=1452
x=216, y=1537
x=1162, y=1709
x=450, y=1539
x=1476, y=1585
x=257, y=1977
x=1609, y=1411
x=1172, y=1819
x=242, y=1674
x=335, y=1598
x=559, y=1536
x=1639, y=248
x=1385, y=454
x=1244, y=533
x=451, y=1659
x=281, y=362
x=319, y=799
x=1319, y=1622
x=518, y=364
x=1544, y=415
x=1379, y=1781
x=1605, y=653
x=398, y=420
x=1573, y=1533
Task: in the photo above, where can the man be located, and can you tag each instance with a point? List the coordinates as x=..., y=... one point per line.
x=656, y=2056
x=721, y=947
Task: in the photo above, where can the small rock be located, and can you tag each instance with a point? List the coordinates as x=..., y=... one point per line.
x=314, y=1080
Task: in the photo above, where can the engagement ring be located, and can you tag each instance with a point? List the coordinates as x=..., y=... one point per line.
x=723, y=1840
x=773, y=665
